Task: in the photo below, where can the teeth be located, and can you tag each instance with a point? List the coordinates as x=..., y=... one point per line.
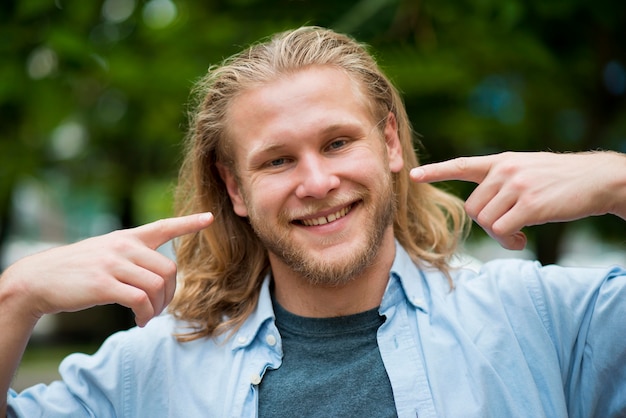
x=322, y=220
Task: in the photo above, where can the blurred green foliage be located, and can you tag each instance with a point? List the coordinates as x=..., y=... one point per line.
x=93, y=93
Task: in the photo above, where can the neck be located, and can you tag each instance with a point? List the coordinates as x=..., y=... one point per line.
x=364, y=292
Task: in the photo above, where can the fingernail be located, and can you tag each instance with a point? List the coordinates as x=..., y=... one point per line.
x=206, y=216
x=417, y=172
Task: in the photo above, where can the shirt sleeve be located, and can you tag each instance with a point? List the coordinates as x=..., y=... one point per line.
x=584, y=311
x=91, y=386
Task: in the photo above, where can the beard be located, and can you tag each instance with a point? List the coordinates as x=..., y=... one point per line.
x=380, y=210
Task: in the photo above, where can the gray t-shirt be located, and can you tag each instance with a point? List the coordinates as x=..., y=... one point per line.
x=331, y=368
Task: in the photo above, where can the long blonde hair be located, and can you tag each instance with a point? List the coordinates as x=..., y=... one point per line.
x=222, y=268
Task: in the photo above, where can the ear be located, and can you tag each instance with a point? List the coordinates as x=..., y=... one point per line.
x=392, y=142
x=232, y=187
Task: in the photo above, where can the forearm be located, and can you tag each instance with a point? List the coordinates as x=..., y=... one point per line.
x=17, y=326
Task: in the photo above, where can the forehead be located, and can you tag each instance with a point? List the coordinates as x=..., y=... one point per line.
x=296, y=106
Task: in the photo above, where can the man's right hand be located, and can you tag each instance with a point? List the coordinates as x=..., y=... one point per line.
x=120, y=267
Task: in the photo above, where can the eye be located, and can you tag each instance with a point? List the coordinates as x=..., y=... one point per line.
x=277, y=162
x=337, y=144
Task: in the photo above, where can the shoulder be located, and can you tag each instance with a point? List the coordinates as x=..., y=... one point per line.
x=552, y=292
x=516, y=282
x=517, y=272
x=143, y=357
x=158, y=332
x=126, y=348
x=151, y=347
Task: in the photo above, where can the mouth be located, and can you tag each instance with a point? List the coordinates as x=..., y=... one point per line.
x=323, y=220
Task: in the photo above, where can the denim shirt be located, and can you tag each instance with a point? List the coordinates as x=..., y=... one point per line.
x=514, y=339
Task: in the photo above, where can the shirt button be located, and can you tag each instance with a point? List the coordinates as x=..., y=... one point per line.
x=242, y=340
x=270, y=340
x=255, y=379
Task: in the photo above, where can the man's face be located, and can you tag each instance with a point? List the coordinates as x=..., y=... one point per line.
x=313, y=174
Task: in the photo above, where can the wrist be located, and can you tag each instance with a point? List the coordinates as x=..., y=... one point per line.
x=616, y=186
x=15, y=297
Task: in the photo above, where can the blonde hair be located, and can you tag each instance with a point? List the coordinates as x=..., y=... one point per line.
x=222, y=268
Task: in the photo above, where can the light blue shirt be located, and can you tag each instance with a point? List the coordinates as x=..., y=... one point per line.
x=513, y=340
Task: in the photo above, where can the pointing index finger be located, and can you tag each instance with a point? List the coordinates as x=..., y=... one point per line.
x=472, y=169
x=159, y=232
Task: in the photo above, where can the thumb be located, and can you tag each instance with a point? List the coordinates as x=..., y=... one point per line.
x=516, y=241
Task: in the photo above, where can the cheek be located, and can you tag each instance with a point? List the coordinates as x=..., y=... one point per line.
x=266, y=196
x=376, y=176
x=371, y=166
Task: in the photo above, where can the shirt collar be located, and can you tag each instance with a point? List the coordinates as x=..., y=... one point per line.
x=406, y=281
x=263, y=313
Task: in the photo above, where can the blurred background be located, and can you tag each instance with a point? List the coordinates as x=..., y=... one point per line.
x=93, y=102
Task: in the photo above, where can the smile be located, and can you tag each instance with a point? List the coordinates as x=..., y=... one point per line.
x=322, y=220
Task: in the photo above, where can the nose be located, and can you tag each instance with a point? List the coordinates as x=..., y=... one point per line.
x=316, y=177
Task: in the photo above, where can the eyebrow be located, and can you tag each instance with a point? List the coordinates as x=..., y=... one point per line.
x=352, y=126
x=266, y=148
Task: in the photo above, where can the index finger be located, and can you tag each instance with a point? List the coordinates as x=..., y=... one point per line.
x=159, y=232
x=472, y=169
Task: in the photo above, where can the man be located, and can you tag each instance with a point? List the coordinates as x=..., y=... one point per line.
x=324, y=285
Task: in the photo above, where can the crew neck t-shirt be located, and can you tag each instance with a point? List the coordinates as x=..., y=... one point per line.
x=331, y=367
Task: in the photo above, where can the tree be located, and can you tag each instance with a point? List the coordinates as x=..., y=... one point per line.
x=93, y=94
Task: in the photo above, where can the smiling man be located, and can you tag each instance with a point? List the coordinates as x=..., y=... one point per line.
x=324, y=287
